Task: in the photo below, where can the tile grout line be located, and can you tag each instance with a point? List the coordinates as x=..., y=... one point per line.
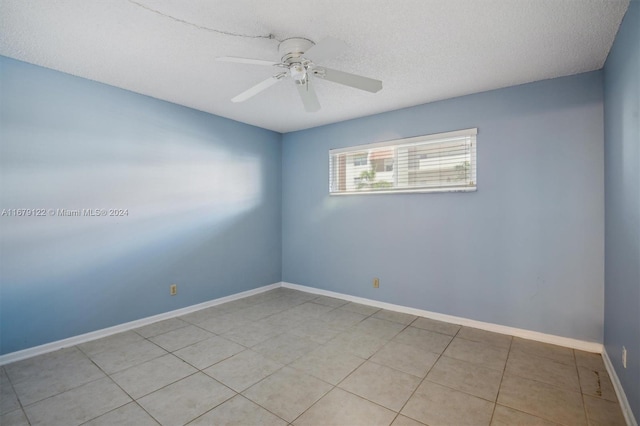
x=333, y=387
x=118, y=385
x=17, y=398
x=331, y=384
x=354, y=370
x=280, y=369
x=584, y=403
x=425, y=377
x=504, y=369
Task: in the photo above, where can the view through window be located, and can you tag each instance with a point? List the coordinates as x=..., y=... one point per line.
x=432, y=163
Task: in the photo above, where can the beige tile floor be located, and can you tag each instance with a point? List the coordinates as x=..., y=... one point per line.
x=289, y=357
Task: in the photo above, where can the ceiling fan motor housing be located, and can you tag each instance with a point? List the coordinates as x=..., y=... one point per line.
x=292, y=49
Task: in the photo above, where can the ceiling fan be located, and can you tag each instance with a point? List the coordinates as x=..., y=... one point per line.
x=298, y=61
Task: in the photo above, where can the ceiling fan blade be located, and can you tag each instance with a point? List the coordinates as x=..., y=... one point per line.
x=352, y=80
x=263, y=85
x=245, y=60
x=325, y=49
x=308, y=96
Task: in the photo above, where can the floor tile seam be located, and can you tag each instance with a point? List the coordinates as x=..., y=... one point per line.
x=374, y=402
x=346, y=330
x=527, y=413
x=169, y=384
x=600, y=396
x=397, y=322
x=182, y=347
x=29, y=406
x=355, y=312
x=485, y=341
x=543, y=383
x=325, y=381
x=486, y=344
x=473, y=364
x=187, y=323
x=542, y=357
x=165, y=332
x=582, y=398
x=437, y=321
x=477, y=364
x=396, y=369
x=248, y=387
x=312, y=405
x=209, y=366
x=584, y=402
x=536, y=415
x=536, y=379
x=331, y=306
x=355, y=369
x=285, y=366
x=166, y=352
x=198, y=370
x=287, y=363
x=384, y=338
x=260, y=381
x=137, y=365
x=462, y=391
x=79, y=346
x=264, y=408
x=354, y=394
x=365, y=315
x=104, y=374
x=133, y=401
x=229, y=399
x=24, y=414
x=182, y=317
x=437, y=332
x=584, y=408
x=423, y=379
x=144, y=362
x=126, y=344
x=155, y=390
x=13, y=389
x=253, y=345
x=504, y=368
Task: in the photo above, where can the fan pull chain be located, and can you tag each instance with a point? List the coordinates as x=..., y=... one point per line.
x=213, y=30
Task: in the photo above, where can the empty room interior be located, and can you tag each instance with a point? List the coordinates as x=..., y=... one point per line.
x=320, y=213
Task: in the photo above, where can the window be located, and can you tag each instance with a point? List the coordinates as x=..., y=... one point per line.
x=433, y=163
x=360, y=159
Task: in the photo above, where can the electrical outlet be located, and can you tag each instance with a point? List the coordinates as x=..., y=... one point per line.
x=173, y=289
x=376, y=282
x=624, y=357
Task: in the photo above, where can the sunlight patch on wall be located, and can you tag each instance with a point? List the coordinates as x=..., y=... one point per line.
x=82, y=211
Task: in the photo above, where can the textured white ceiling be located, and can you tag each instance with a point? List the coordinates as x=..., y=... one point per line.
x=422, y=50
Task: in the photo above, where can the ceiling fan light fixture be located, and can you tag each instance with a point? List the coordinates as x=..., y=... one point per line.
x=298, y=73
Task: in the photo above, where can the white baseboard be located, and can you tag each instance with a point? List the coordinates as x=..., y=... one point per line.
x=82, y=338
x=496, y=328
x=526, y=334
x=622, y=397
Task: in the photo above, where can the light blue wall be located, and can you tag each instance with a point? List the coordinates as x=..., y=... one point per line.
x=203, y=195
x=622, y=204
x=526, y=250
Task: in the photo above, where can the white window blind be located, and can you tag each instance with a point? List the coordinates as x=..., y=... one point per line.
x=432, y=163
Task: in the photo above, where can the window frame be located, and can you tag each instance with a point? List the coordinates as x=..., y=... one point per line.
x=396, y=143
